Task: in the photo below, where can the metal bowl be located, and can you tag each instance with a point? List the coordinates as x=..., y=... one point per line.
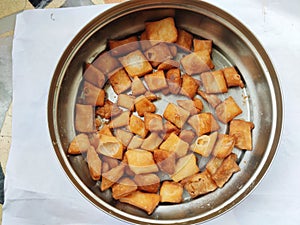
x=234, y=44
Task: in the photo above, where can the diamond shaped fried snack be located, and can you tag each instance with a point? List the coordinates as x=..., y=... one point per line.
x=79, y=144
x=143, y=105
x=185, y=167
x=174, y=80
x=123, y=187
x=110, y=146
x=227, y=110
x=203, y=123
x=93, y=95
x=241, y=131
x=189, y=86
x=94, y=163
x=137, y=126
x=165, y=160
x=106, y=63
x=232, y=77
x=147, y=182
x=120, y=81
x=153, y=122
x=84, y=118
x=112, y=176
x=123, y=46
x=176, y=115
x=200, y=45
x=171, y=192
x=197, y=62
x=184, y=39
x=174, y=144
x=158, y=54
x=224, y=145
x=214, y=82
x=156, y=81
x=94, y=76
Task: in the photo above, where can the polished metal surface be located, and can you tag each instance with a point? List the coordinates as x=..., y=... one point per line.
x=234, y=44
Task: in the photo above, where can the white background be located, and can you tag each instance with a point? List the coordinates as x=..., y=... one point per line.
x=36, y=189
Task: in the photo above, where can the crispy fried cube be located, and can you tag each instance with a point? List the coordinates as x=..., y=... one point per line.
x=137, y=126
x=93, y=95
x=123, y=187
x=79, y=144
x=168, y=64
x=108, y=110
x=123, y=46
x=171, y=192
x=126, y=101
x=185, y=167
x=141, y=161
x=163, y=30
x=241, y=131
x=199, y=184
x=135, y=142
x=143, y=105
x=197, y=62
x=174, y=80
x=189, y=86
x=200, y=45
x=165, y=160
x=153, y=122
x=94, y=163
x=123, y=136
x=193, y=106
x=176, y=115
x=203, y=123
x=213, y=164
x=137, y=87
x=158, y=54
x=110, y=146
x=214, y=82
x=205, y=144
x=152, y=142
x=106, y=63
x=225, y=171
x=187, y=136
x=136, y=64
x=156, y=81
x=94, y=76
x=112, y=176
x=121, y=120
x=184, y=39
x=142, y=200
x=120, y=81
x=84, y=118
x=147, y=182
x=232, y=77
x=174, y=144
x=212, y=99
x=227, y=110
x=224, y=145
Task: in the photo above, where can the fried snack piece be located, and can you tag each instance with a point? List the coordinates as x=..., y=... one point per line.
x=136, y=64
x=168, y=129
x=108, y=110
x=123, y=187
x=197, y=62
x=110, y=146
x=94, y=163
x=120, y=81
x=137, y=126
x=241, y=131
x=168, y=64
x=227, y=110
x=143, y=105
x=126, y=101
x=93, y=95
x=174, y=144
x=163, y=30
x=212, y=99
x=124, y=46
x=213, y=164
x=141, y=161
x=153, y=122
x=79, y=144
x=112, y=176
x=214, y=82
x=224, y=146
x=187, y=136
x=137, y=87
x=151, y=96
x=84, y=118
x=226, y=169
x=174, y=80
x=233, y=79
x=158, y=54
x=147, y=182
x=135, y=142
x=193, y=106
x=105, y=130
x=152, y=142
x=185, y=167
x=121, y=120
x=184, y=40
x=205, y=144
x=94, y=76
x=189, y=86
x=203, y=123
x=171, y=192
x=176, y=115
x=201, y=45
x=156, y=81
x=199, y=184
x=123, y=136
x=142, y=200
x=106, y=63
x=165, y=160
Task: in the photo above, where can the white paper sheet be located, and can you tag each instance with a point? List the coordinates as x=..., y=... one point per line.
x=37, y=190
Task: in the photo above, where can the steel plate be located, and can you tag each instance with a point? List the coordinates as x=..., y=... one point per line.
x=234, y=44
